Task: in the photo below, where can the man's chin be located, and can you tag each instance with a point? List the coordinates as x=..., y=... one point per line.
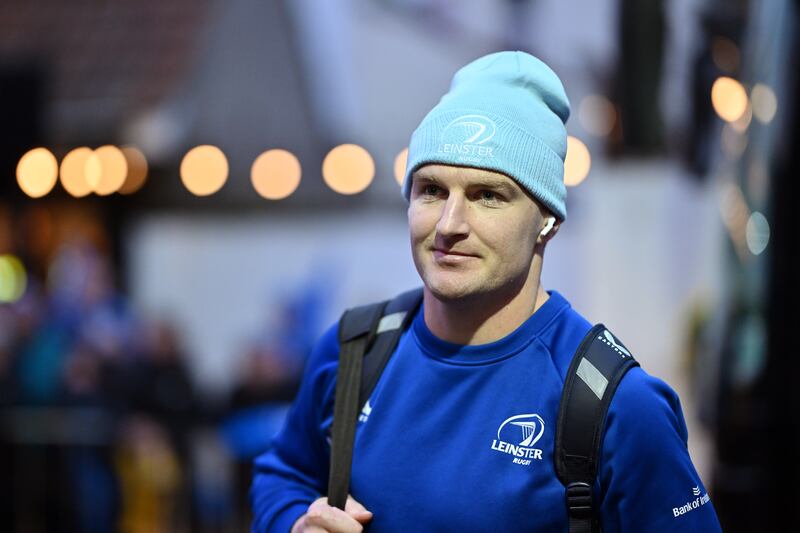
x=450, y=290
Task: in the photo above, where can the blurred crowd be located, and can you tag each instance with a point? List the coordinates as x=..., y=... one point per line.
x=102, y=427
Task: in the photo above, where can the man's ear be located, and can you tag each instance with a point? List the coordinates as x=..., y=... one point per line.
x=548, y=230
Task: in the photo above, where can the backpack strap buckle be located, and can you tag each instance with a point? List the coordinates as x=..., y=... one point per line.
x=579, y=499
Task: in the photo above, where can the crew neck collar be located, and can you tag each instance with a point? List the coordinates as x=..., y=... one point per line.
x=476, y=354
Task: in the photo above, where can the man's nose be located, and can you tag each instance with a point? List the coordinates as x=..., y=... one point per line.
x=453, y=219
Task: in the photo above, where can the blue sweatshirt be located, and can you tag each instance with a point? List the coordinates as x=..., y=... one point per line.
x=460, y=438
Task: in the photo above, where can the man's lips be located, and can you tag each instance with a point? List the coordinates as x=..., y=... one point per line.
x=440, y=253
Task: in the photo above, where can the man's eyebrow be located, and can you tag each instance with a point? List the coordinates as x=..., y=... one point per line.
x=484, y=183
x=494, y=184
x=427, y=178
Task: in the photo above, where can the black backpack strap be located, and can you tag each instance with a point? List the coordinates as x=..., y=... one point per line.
x=368, y=336
x=357, y=329
x=396, y=316
x=597, y=367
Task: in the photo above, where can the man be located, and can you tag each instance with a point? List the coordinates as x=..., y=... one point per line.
x=487, y=354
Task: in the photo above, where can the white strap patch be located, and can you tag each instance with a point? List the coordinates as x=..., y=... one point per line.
x=593, y=378
x=390, y=322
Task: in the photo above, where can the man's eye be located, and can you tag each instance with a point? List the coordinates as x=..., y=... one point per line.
x=430, y=190
x=488, y=196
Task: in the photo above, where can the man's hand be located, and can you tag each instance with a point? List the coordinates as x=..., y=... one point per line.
x=322, y=518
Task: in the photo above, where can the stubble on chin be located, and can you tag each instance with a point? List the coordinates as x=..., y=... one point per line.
x=451, y=286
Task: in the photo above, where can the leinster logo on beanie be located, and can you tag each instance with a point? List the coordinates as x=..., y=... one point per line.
x=478, y=128
x=467, y=136
x=504, y=112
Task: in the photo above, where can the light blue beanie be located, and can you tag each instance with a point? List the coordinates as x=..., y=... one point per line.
x=504, y=112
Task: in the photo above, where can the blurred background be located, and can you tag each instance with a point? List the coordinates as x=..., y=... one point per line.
x=193, y=190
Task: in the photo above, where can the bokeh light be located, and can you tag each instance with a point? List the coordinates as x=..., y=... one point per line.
x=37, y=172
x=276, y=174
x=93, y=170
x=204, y=170
x=732, y=204
x=735, y=214
x=742, y=123
x=757, y=233
x=597, y=115
x=13, y=279
x=765, y=103
x=733, y=142
x=577, y=163
x=725, y=54
x=348, y=169
x=729, y=99
x=137, y=170
x=106, y=169
x=400, y=166
x=73, y=172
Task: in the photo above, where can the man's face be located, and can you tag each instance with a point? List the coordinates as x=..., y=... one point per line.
x=472, y=231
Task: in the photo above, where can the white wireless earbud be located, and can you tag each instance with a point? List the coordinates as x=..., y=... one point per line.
x=548, y=226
